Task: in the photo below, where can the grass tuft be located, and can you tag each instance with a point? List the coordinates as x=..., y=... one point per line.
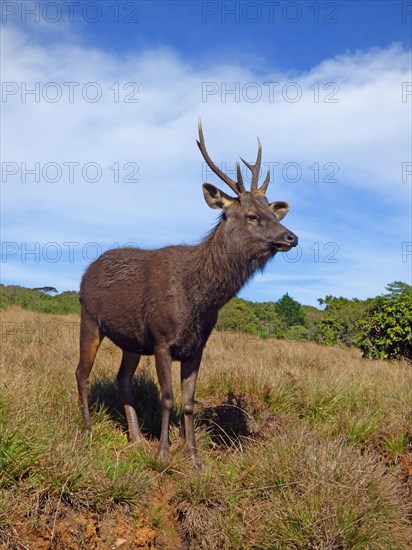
x=18, y=458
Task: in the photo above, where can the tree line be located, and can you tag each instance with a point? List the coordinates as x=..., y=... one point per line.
x=381, y=327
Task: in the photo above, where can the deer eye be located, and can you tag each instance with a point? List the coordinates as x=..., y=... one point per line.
x=252, y=218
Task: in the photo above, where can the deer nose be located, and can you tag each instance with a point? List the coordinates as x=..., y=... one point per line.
x=292, y=239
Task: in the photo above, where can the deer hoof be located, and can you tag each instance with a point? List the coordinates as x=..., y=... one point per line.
x=135, y=438
x=162, y=454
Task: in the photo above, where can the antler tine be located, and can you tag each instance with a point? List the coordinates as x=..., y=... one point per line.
x=237, y=187
x=240, y=185
x=254, y=168
x=265, y=184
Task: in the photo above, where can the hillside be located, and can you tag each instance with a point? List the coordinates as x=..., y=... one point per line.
x=380, y=326
x=303, y=446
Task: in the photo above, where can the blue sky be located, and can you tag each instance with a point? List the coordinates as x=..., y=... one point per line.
x=102, y=153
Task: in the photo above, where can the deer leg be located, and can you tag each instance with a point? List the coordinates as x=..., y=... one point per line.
x=90, y=339
x=164, y=375
x=188, y=375
x=124, y=380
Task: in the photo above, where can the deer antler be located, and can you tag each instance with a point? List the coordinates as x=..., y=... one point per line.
x=255, y=169
x=236, y=186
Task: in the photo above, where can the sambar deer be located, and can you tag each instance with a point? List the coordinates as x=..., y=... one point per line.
x=165, y=302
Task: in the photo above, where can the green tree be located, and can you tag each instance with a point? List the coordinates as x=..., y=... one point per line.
x=386, y=327
x=338, y=325
x=398, y=288
x=290, y=311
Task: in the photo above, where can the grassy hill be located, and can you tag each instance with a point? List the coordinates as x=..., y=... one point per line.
x=35, y=300
x=303, y=446
x=380, y=326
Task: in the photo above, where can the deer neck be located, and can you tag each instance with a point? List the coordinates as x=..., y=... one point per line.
x=221, y=266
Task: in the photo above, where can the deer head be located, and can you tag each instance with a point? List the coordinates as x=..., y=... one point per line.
x=249, y=214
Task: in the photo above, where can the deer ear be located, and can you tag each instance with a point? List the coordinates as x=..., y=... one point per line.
x=216, y=198
x=279, y=208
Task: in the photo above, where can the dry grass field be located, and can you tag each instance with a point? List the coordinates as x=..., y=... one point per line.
x=302, y=447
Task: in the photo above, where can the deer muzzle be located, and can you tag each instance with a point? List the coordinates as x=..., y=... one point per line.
x=286, y=241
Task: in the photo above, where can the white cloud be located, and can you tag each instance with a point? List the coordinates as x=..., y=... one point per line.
x=365, y=134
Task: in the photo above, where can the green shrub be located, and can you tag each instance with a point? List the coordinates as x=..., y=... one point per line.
x=386, y=328
x=238, y=316
x=338, y=325
x=265, y=319
x=297, y=333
